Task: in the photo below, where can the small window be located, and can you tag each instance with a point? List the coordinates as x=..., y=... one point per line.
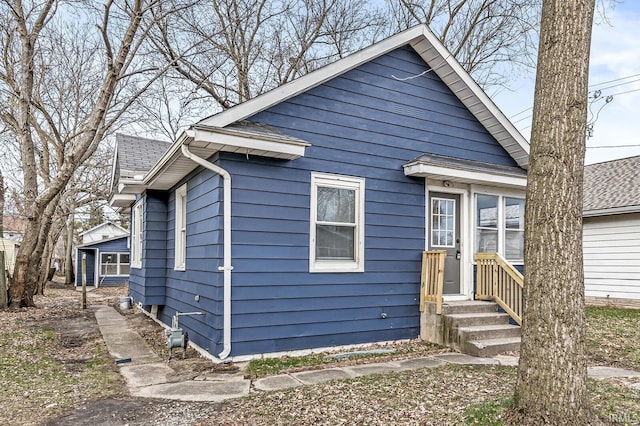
x=337, y=224
x=487, y=223
x=181, y=228
x=136, y=236
x=443, y=232
x=514, y=228
x=114, y=264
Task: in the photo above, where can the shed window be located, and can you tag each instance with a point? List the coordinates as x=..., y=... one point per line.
x=114, y=264
x=136, y=236
x=337, y=224
x=181, y=228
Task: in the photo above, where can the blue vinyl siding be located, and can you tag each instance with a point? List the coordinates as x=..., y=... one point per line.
x=366, y=123
x=147, y=284
x=90, y=266
x=204, y=255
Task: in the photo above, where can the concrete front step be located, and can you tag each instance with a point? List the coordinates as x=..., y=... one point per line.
x=476, y=319
x=490, y=347
x=483, y=332
x=468, y=306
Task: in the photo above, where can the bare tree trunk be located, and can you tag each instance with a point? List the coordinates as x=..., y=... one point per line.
x=69, y=274
x=1, y=204
x=45, y=264
x=42, y=205
x=551, y=388
x=28, y=262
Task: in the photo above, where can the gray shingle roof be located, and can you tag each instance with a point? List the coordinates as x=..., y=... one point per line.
x=612, y=184
x=261, y=129
x=138, y=155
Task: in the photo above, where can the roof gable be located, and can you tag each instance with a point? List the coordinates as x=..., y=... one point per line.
x=432, y=52
x=110, y=227
x=393, y=100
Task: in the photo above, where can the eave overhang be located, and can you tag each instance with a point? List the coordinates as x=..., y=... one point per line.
x=611, y=211
x=461, y=174
x=205, y=141
x=120, y=201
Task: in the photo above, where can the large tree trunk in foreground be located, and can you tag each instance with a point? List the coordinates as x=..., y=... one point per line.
x=551, y=388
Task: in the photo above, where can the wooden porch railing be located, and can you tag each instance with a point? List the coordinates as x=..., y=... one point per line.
x=499, y=281
x=432, y=278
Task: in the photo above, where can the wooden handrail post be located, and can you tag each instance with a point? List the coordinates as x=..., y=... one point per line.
x=3, y=282
x=84, y=280
x=432, y=279
x=494, y=277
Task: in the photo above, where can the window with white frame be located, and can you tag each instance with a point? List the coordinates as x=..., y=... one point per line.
x=337, y=224
x=443, y=230
x=181, y=228
x=500, y=225
x=136, y=235
x=513, y=228
x=114, y=264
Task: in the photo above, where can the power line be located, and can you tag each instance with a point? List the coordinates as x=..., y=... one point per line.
x=591, y=86
x=522, y=119
x=614, y=146
x=623, y=93
x=617, y=85
x=611, y=81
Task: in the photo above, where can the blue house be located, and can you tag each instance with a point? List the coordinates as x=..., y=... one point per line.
x=106, y=260
x=297, y=220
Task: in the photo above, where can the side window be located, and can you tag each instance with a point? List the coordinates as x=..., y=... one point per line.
x=114, y=264
x=514, y=228
x=136, y=235
x=486, y=223
x=337, y=224
x=181, y=228
x=500, y=226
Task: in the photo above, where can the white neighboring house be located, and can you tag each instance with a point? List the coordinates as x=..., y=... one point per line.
x=611, y=232
x=10, y=249
x=106, y=230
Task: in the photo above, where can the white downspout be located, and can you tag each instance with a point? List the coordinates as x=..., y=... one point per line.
x=226, y=268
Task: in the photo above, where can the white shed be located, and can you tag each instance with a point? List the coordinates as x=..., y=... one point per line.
x=611, y=232
x=103, y=231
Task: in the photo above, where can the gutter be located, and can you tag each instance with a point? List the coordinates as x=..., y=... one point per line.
x=611, y=211
x=226, y=268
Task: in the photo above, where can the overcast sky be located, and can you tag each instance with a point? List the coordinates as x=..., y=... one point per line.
x=615, y=55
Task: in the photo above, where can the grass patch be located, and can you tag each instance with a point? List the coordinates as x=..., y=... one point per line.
x=31, y=380
x=41, y=375
x=612, y=337
x=271, y=366
x=488, y=413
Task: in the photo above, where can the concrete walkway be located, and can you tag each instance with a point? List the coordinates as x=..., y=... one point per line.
x=149, y=376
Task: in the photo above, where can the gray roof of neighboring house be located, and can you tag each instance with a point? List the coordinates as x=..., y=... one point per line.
x=612, y=187
x=138, y=155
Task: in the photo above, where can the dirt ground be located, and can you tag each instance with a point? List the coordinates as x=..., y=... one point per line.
x=89, y=390
x=76, y=343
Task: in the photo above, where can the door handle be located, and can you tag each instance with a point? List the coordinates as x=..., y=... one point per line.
x=458, y=255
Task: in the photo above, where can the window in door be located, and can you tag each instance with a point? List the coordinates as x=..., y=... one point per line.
x=443, y=232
